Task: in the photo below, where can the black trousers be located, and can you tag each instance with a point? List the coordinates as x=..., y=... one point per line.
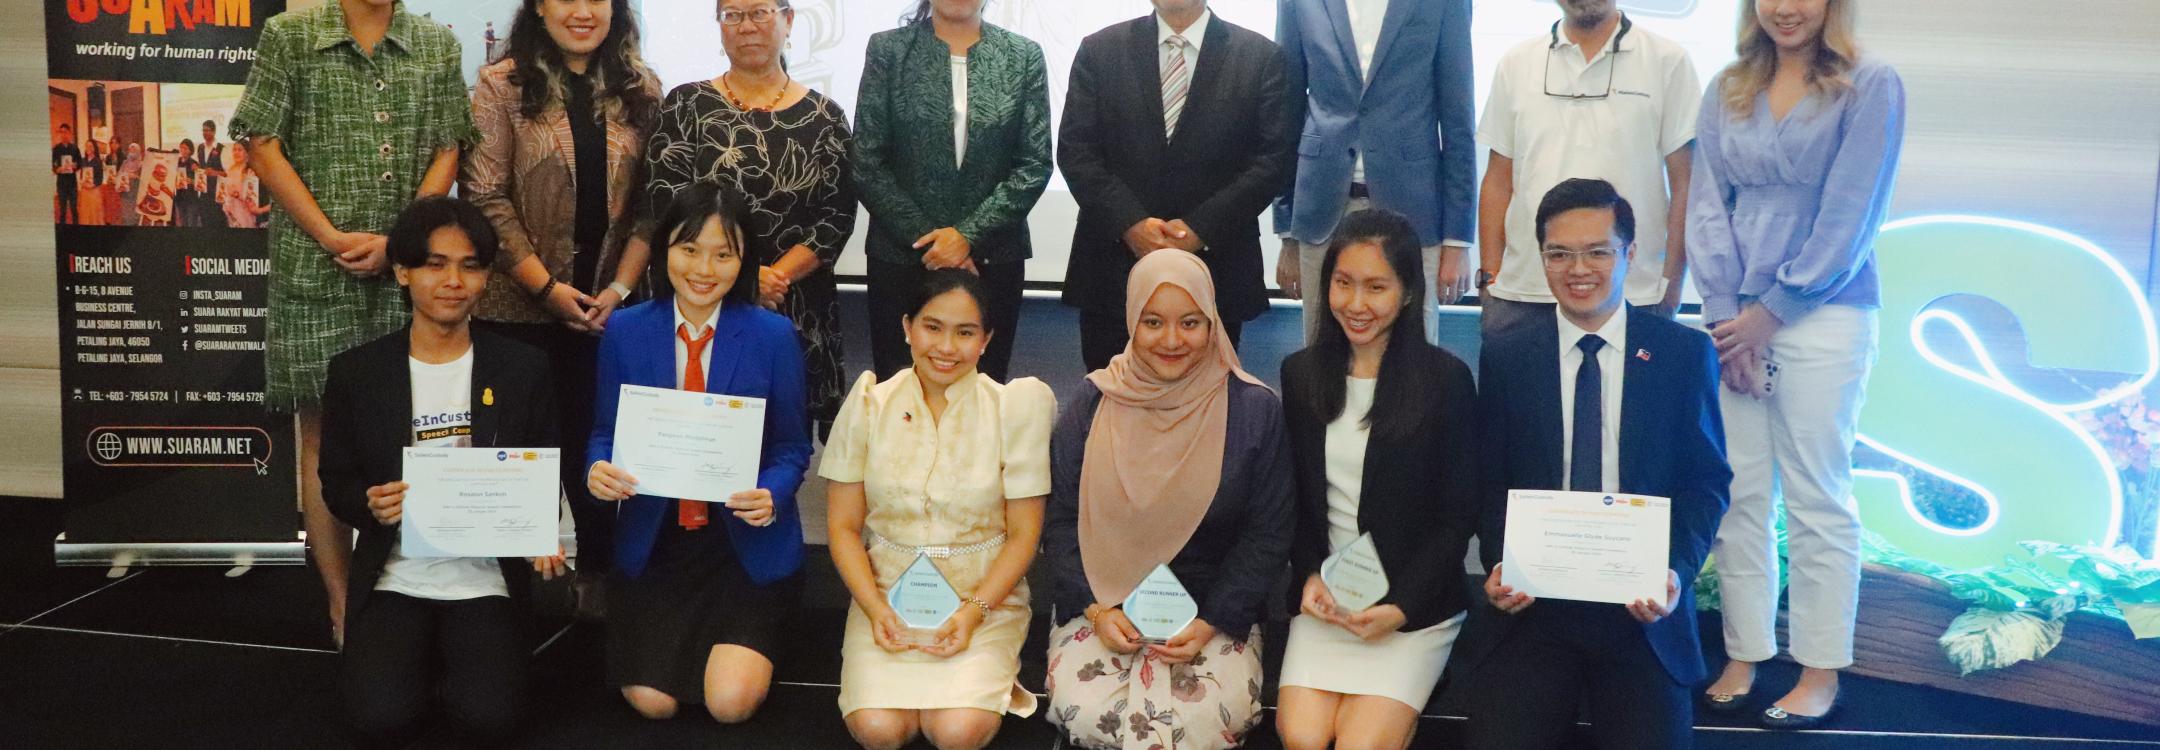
x=406, y=656
x=66, y=190
x=573, y=362
x=893, y=287
x=1525, y=695
x=1103, y=335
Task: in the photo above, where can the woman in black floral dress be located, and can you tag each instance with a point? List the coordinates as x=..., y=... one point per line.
x=785, y=147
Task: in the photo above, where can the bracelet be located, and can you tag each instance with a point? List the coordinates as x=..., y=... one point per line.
x=619, y=290
x=979, y=604
x=545, y=289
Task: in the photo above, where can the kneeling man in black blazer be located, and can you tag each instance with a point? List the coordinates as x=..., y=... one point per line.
x=1600, y=398
x=419, y=628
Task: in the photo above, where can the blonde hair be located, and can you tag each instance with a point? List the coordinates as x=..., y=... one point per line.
x=1836, y=54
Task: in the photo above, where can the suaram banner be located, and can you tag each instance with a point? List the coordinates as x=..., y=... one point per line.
x=163, y=275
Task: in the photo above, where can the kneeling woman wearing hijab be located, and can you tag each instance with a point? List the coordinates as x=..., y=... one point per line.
x=1173, y=455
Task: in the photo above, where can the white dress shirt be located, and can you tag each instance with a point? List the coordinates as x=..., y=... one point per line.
x=1193, y=35
x=959, y=109
x=682, y=350
x=1647, y=101
x=1366, y=20
x=1612, y=362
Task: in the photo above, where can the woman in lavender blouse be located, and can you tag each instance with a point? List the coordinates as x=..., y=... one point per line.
x=1796, y=151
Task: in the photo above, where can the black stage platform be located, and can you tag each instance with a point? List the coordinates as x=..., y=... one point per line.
x=192, y=658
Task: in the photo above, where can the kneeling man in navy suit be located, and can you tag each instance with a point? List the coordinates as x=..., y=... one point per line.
x=1599, y=398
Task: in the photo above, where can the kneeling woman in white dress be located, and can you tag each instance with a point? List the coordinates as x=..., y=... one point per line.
x=1381, y=430
x=942, y=463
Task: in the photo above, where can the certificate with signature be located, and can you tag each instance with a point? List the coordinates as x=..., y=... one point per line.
x=480, y=502
x=688, y=445
x=1586, y=546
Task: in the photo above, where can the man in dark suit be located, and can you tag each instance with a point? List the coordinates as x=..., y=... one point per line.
x=422, y=627
x=1175, y=137
x=1599, y=398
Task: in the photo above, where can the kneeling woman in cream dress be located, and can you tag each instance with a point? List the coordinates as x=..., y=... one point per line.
x=938, y=460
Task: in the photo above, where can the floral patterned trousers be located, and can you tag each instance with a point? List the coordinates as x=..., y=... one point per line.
x=1105, y=700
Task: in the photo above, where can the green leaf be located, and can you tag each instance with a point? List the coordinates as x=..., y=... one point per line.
x=2144, y=620
x=1984, y=639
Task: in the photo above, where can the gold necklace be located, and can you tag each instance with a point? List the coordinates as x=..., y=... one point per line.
x=729, y=91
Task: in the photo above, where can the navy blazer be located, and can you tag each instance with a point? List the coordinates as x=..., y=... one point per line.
x=1411, y=117
x=1672, y=444
x=755, y=354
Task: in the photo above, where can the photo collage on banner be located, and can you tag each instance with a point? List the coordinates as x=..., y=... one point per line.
x=163, y=277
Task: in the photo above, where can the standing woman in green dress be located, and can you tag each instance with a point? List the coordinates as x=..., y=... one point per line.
x=952, y=149
x=352, y=110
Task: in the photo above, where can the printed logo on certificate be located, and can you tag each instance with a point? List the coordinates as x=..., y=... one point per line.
x=1160, y=607
x=1354, y=577
x=924, y=599
x=1587, y=546
x=481, y=502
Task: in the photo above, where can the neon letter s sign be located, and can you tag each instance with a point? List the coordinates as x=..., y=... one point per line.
x=2040, y=475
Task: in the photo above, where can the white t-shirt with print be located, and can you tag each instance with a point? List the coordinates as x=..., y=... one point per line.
x=442, y=418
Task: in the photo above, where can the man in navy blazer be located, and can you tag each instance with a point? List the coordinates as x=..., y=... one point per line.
x=1384, y=93
x=1599, y=397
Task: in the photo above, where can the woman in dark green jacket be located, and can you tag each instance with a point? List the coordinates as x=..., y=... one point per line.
x=952, y=149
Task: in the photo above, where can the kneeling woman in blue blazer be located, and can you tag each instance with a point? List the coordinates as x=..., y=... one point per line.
x=703, y=591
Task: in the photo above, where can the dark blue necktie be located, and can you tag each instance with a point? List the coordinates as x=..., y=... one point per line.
x=1586, y=469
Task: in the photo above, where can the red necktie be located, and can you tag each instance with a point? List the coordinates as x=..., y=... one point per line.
x=691, y=513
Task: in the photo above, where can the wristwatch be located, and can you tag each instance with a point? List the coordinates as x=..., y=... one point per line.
x=1485, y=278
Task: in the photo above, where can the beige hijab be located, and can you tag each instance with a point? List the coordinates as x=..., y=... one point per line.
x=1155, y=450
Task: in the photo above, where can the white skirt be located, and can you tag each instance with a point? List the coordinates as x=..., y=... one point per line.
x=1403, y=666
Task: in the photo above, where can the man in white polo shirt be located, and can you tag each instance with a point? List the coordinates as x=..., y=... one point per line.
x=1594, y=97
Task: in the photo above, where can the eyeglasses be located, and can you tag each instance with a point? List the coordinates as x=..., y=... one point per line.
x=760, y=16
x=1597, y=258
x=1612, y=67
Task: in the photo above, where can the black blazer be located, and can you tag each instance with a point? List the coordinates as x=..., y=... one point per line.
x=1419, y=498
x=1672, y=444
x=367, y=424
x=1233, y=152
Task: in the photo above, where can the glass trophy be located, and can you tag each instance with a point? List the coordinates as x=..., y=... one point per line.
x=924, y=601
x=1160, y=607
x=1354, y=577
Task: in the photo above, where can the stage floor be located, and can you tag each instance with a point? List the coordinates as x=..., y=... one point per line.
x=193, y=658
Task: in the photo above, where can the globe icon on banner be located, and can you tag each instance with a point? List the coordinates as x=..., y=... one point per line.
x=108, y=446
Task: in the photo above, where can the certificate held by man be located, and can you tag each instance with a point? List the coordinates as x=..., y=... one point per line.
x=1587, y=546
x=480, y=502
x=688, y=445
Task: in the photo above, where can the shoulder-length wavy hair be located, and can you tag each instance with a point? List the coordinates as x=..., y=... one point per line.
x=623, y=86
x=1836, y=54
x=1404, y=382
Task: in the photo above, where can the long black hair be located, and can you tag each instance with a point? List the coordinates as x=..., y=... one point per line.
x=620, y=80
x=1404, y=380
x=684, y=218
